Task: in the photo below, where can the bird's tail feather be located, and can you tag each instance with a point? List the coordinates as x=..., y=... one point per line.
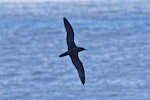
x=64, y=54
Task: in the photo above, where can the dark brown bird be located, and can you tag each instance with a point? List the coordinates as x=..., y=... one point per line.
x=73, y=50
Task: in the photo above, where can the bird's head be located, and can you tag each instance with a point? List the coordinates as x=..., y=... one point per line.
x=81, y=49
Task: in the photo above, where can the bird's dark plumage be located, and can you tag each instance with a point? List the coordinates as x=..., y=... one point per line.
x=73, y=50
x=70, y=34
x=79, y=66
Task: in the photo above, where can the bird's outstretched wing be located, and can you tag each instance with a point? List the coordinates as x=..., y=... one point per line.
x=79, y=66
x=70, y=34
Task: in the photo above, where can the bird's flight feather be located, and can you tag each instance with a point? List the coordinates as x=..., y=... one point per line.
x=79, y=66
x=70, y=34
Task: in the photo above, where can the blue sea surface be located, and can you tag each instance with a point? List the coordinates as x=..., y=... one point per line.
x=115, y=34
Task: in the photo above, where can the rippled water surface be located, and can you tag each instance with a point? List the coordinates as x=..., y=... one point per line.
x=115, y=34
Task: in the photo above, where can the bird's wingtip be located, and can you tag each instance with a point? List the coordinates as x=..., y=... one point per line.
x=64, y=18
x=83, y=82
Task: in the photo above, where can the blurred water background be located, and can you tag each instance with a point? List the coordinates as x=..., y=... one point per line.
x=115, y=33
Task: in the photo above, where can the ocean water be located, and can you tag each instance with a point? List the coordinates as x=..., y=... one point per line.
x=115, y=34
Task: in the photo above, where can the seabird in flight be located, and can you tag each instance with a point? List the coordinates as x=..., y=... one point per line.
x=73, y=50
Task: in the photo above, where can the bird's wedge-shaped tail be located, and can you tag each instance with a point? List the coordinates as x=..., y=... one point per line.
x=64, y=54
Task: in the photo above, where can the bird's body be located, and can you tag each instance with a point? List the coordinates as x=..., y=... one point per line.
x=73, y=51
